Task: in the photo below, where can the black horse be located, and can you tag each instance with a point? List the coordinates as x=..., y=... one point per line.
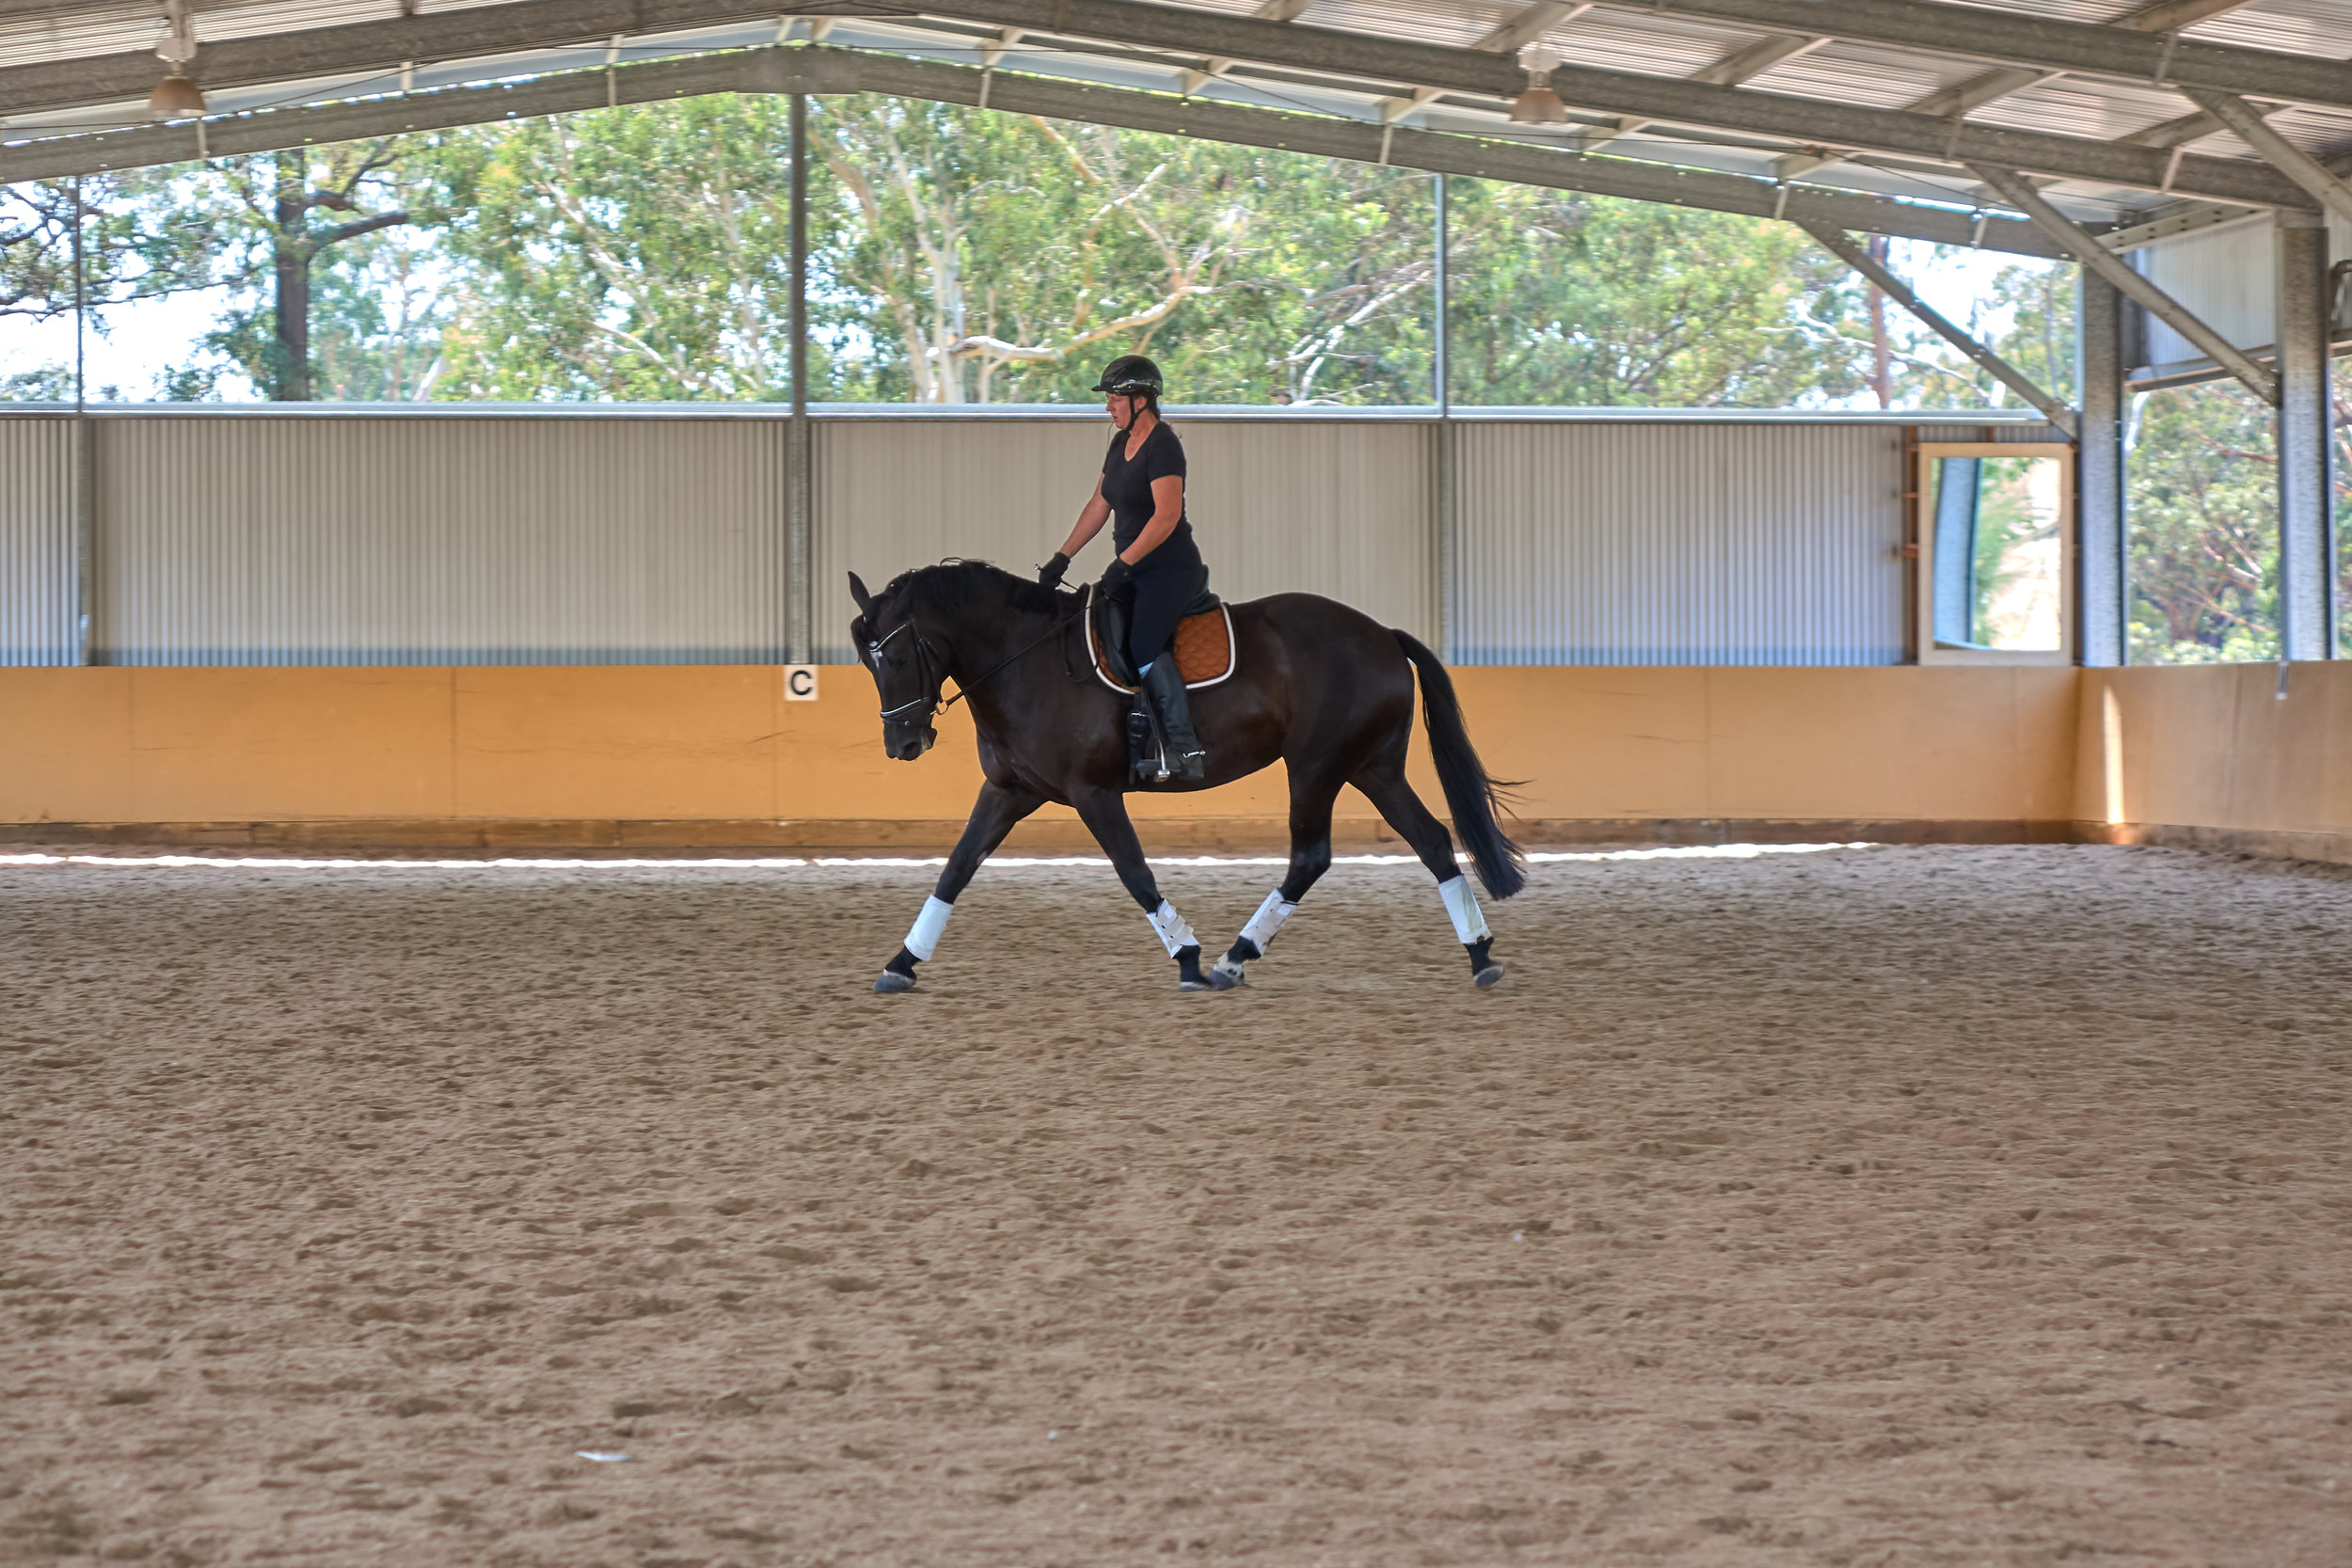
x=1322, y=686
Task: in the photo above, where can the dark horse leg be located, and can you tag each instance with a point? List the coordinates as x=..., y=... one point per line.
x=1104, y=812
x=1383, y=782
x=1311, y=856
x=994, y=816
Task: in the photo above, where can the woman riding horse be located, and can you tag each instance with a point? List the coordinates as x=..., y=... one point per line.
x=1157, y=569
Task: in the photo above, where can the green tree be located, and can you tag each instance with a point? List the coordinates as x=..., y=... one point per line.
x=634, y=254
x=143, y=234
x=277, y=197
x=2204, y=519
x=1566, y=299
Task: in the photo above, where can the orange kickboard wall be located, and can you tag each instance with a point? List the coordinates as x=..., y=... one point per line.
x=720, y=742
x=2238, y=749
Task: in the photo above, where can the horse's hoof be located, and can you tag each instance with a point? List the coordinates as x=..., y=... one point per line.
x=1225, y=975
x=1487, y=976
x=1198, y=984
x=891, y=981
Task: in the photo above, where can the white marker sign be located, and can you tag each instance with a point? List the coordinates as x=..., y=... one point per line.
x=800, y=683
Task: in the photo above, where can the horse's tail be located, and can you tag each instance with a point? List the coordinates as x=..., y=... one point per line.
x=1471, y=793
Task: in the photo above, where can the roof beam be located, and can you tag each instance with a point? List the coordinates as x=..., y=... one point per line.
x=1739, y=66
x=2130, y=50
x=498, y=30
x=233, y=135
x=1799, y=121
x=2283, y=155
x=1964, y=97
x=2085, y=248
x=1835, y=242
x=1270, y=10
x=1508, y=39
x=841, y=71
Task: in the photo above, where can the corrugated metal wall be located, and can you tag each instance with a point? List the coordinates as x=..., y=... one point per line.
x=465, y=541
x=1342, y=509
x=2227, y=276
x=1732, y=544
x=35, y=541
x=260, y=539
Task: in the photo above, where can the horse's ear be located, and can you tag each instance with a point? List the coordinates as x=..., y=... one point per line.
x=857, y=592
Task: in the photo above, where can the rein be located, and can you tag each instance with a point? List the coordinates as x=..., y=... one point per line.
x=964, y=688
x=925, y=654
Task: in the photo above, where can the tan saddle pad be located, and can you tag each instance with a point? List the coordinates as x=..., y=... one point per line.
x=1204, y=650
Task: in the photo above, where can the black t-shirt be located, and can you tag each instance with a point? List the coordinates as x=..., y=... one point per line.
x=1127, y=485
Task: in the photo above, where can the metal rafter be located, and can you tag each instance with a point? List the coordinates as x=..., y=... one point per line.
x=1508, y=39
x=2133, y=50
x=1270, y=10
x=1836, y=242
x=842, y=71
x=2282, y=154
x=2020, y=194
x=1964, y=97
x=496, y=30
x=1740, y=65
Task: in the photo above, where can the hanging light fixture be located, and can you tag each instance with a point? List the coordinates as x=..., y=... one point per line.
x=1538, y=104
x=175, y=97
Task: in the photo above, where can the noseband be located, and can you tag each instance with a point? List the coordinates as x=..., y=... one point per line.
x=924, y=656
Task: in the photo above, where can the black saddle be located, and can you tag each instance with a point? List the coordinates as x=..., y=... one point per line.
x=1110, y=628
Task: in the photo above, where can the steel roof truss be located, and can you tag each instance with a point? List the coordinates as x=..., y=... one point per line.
x=1836, y=242
x=839, y=70
x=2128, y=51
x=2282, y=154
x=492, y=31
x=2019, y=192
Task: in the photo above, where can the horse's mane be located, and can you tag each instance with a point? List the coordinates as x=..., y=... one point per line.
x=957, y=585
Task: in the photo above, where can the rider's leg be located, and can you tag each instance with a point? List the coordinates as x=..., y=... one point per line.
x=994, y=816
x=1161, y=597
x=1104, y=812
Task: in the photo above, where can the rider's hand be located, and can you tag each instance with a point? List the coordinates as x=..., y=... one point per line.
x=1050, y=575
x=1116, y=573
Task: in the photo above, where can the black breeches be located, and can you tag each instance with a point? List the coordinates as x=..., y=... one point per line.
x=1161, y=594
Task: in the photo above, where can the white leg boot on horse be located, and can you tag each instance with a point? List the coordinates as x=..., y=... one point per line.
x=999, y=809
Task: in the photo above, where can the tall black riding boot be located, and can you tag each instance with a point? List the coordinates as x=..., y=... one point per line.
x=1187, y=757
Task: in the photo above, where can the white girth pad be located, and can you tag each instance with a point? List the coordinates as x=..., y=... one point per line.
x=923, y=940
x=1174, y=934
x=1462, y=904
x=1269, y=920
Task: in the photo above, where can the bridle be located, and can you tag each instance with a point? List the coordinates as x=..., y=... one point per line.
x=934, y=687
x=924, y=654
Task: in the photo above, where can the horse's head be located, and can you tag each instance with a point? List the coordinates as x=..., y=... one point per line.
x=907, y=669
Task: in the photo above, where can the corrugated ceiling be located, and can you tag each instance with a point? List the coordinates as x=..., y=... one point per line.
x=1629, y=37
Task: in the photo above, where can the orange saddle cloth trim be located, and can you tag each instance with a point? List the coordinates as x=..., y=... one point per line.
x=1204, y=650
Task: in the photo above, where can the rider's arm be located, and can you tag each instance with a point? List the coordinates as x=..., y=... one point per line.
x=1167, y=510
x=1091, y=517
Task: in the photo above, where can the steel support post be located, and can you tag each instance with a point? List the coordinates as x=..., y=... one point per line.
x=2306, y=536
x=83, y=455
x=1441, y=372
x=800, y=593
x=2101, y=613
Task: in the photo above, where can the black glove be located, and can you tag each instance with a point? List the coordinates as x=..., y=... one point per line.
x=1050, y=575
x=1116, y=573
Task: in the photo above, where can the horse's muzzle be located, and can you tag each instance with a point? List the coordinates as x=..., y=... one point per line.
x=906, y=744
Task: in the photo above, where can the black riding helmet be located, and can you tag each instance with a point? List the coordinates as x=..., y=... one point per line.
x=1131, y=372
